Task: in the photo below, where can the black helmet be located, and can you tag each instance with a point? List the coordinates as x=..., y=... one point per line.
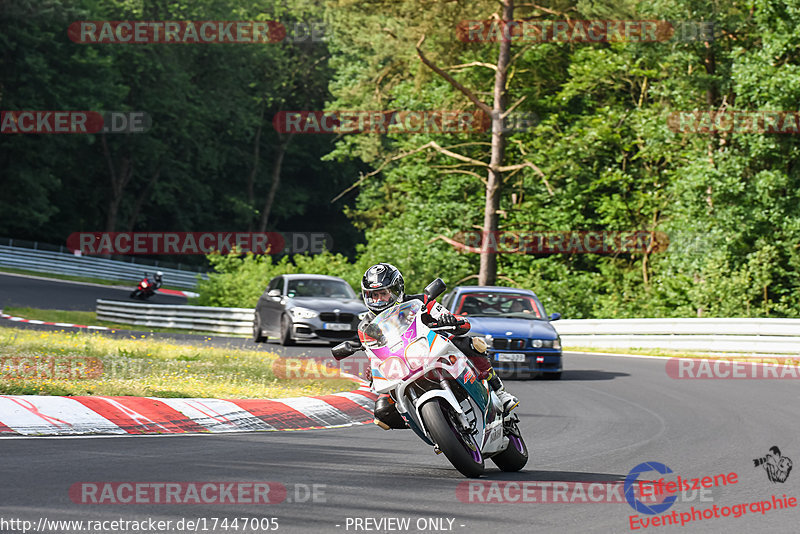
x=382, y=287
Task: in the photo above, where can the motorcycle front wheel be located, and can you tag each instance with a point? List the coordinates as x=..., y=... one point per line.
x=515, y=456
x=462, y=452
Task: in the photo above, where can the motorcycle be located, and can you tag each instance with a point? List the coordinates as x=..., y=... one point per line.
x=436, y=389
x=146, y=288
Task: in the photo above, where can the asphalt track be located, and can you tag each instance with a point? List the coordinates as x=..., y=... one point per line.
x=606, y=416
x=35, y=292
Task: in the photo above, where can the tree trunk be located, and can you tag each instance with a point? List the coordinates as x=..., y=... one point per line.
x=137, y=207
x=487, y=275
x=251, y=180
x=276, y=181
x=118, y=182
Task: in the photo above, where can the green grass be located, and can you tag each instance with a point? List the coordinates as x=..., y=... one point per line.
x=88, y=363
x=90, y=319
x=102, y=281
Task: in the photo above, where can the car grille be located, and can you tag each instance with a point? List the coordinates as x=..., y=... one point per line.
x=331, y=317
x=503, y=343
x=337, y=334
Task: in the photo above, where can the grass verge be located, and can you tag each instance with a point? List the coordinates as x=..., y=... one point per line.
x=87, y=363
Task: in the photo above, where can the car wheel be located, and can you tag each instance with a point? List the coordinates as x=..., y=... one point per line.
x=552, y=376
x=258, y=336
x=286, y=332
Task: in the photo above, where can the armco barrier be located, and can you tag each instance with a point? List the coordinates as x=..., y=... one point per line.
x=762, y=336
x=200, y=318
x=44, y=261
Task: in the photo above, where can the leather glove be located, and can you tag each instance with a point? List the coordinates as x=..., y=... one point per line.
x=447, y=319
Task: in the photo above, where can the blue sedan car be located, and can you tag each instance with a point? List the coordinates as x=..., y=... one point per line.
x=521, y=339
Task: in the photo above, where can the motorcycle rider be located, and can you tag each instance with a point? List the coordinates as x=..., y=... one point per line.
x=157, y=279
x=383, y=287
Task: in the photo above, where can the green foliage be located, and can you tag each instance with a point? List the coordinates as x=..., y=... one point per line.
x=240, y=279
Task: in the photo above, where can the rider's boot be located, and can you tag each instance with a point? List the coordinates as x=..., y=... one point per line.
x=508, y=400
x=386, y=415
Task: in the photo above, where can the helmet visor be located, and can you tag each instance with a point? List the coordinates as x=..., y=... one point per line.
x=381, y=298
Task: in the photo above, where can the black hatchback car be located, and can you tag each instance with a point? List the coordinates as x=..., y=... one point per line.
x=307, y=307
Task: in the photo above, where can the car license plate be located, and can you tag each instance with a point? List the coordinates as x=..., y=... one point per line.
x=510, y=357
x=336, y=326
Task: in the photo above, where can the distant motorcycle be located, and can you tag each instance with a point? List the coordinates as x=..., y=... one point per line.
x=147, y=287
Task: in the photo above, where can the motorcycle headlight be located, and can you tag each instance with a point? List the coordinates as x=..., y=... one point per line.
x=144, y=284
x=417, y=354
x=303, y=313
x=393, y=368
x=362, y=315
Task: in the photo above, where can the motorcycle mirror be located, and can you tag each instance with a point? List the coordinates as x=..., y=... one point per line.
x=435, y=288
x=343, y=350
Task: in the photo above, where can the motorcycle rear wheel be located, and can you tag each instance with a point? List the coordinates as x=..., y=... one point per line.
x=515, y=456
x=439, y=422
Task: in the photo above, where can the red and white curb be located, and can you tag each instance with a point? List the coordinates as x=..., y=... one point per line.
x=35, y=321
x=34, y=415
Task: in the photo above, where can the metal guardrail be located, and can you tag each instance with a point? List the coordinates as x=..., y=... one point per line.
x=201, y=318
x=44, y=261
x=761, y=336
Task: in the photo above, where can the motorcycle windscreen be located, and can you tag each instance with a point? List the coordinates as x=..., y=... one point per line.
x=391, y=333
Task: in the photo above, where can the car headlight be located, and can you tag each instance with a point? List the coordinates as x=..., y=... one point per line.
x=416, y=353
x=546, y=343
x=489, y=341
x=303, y=313
x=362, y=315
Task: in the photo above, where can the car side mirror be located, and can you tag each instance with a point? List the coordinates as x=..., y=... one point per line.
x=343, y=350
x=274, y=293
x=555, y=316
x=435, y=288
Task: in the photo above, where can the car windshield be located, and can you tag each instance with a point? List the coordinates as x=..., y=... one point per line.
x=517, y=305
x=388, y=328
x=312, y=287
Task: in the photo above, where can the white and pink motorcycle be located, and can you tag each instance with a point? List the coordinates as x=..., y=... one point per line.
x=436, y=389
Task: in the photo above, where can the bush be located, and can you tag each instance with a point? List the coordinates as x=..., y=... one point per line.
x=240, y=280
